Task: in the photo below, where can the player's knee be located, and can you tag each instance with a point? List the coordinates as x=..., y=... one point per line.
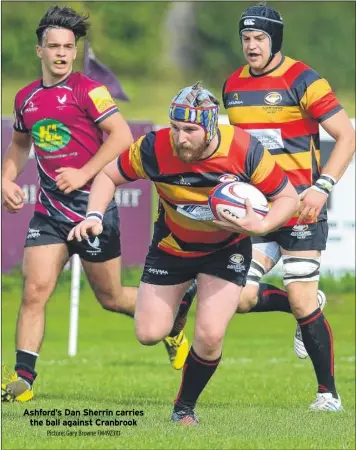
x=300, y=269
x=36, y=293
x=111, y=301
x=146, y=336
x=248, y=298
x=209, y=339
x=149, y=333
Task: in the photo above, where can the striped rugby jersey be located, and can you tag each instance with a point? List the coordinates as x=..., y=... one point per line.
x=283, y=109
x=63, y=122
x=184, y=227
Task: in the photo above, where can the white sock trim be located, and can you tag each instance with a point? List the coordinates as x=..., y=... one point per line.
x=28, y=351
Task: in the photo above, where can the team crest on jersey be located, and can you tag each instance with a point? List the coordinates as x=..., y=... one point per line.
x=228, y=177
x=50, y=135
x=101, y=99
x=273, y=98
x=236, y=262
x=62, y=100
x=301, y=231
x=95, y=245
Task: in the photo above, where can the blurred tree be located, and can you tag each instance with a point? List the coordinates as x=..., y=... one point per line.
x=186, y=41
x=19, y=22
x=322, y=34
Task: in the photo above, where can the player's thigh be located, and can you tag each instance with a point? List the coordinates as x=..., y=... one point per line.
x=104, y=277
x=41, y=267
x=301, y=279
x=220, y=282
x=301, y=248
x=45, y=255
x=216, y=305
x=164, y=281
x=159, y=302
x=156, y=308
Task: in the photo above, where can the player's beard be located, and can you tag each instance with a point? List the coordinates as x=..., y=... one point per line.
x=188, y=153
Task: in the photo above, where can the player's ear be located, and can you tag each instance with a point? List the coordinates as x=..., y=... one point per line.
x=75, y=52
x=39, y=51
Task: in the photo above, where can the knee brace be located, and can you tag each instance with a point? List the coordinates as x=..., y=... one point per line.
x=300, y=268
x=256, y=272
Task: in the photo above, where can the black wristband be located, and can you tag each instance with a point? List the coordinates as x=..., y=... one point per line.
x=96, y=214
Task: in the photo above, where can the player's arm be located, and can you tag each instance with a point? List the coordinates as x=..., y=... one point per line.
x=101, y=193
x=124, y=169
x=13, y=164
x=104, y=186
x=268, y=177
x=319, y=102
x=340, y=128
x=119, y=138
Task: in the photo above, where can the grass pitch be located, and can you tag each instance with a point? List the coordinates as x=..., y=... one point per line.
x=257, y=399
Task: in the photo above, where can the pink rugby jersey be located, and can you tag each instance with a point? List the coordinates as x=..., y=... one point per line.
x=63, y=122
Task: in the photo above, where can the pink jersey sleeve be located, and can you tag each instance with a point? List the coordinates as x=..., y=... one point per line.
x=19, y=124
x=96, y=100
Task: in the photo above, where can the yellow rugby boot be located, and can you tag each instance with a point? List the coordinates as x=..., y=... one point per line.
x=177, y=348
x=15, y=389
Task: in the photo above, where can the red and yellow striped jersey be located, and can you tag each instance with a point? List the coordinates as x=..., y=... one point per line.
x=184, y=227
x=282, y=109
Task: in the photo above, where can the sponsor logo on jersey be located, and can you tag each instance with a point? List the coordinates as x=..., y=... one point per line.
x=30, y=107
x=158, y=271
x=50, y=135
x=271, y=138
x=235, y=100
x=33, y=234
x=273, y=98
x=196, y=212
x=101, y=98
x=182, y=181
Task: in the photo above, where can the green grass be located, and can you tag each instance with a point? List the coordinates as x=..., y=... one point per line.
x=257, y=399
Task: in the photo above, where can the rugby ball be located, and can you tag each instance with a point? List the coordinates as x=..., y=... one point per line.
x=231, y=197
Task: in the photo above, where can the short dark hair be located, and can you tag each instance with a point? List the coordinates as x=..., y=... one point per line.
x=57, y=17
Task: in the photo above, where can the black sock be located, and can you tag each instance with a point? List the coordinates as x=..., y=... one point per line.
x=196, y=374
x=25, y=366
x=271, y=298
x=184, y=307
x=318, y=341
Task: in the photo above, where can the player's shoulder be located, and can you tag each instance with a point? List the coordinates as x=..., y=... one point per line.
x=156, y=142
x=298, y=72
x=23, y=93
x=80, y=81
x=162, y=133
